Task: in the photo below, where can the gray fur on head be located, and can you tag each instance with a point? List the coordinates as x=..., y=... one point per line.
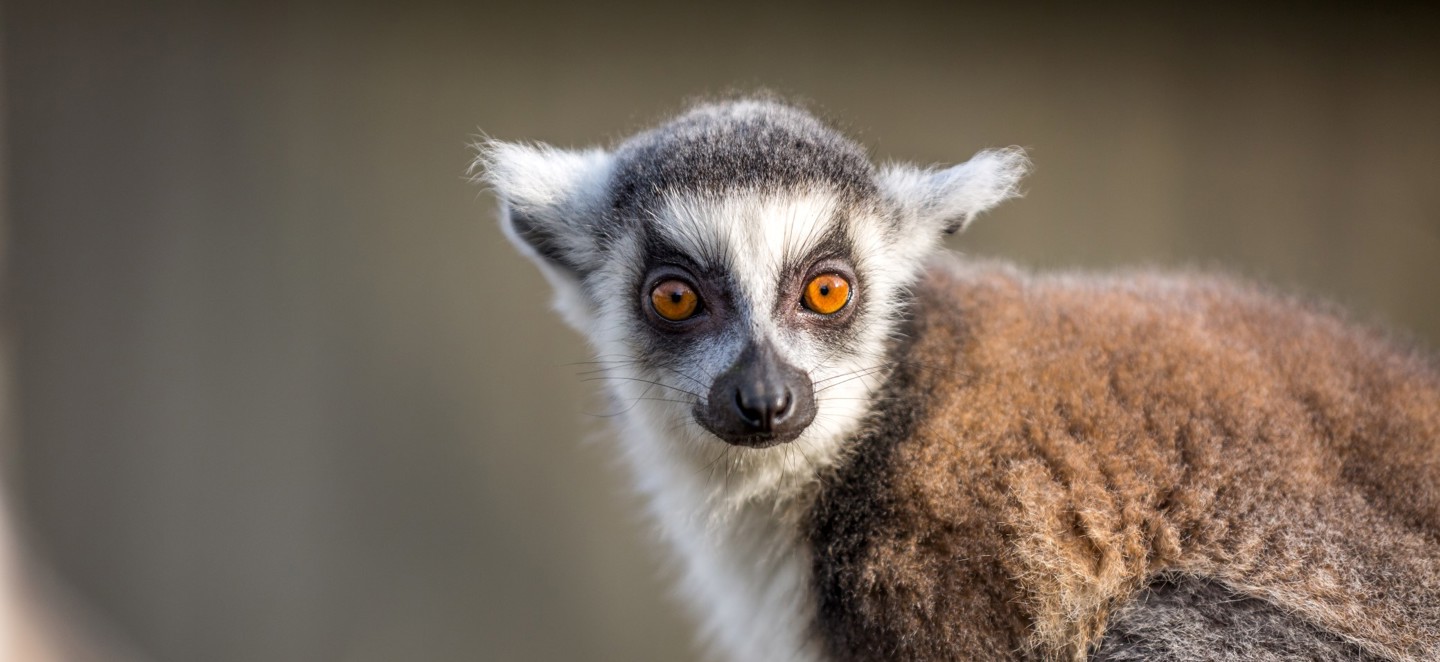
x=563, y=204
x=740, y=145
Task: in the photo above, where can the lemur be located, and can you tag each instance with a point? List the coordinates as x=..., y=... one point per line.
x=861, y=447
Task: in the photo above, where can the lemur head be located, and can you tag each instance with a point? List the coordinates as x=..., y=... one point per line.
x=739, y=269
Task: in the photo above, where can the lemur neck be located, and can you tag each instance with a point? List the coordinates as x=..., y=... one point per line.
x=735, y=524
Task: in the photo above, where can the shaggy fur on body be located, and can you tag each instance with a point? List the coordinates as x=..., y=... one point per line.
x=1054, y=444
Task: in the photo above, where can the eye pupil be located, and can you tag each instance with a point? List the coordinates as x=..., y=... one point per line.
x=674, y=300
x=827, y=294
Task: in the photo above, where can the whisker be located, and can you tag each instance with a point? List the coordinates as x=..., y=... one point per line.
x=683, y=402
x=609, y=365
x=647, y=381
x=805, y=457
x=622, y=411
x=851, y=377
x=881, y=366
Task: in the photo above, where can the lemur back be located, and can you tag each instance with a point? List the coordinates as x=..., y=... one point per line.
x=860, y=448
x=1065, y=442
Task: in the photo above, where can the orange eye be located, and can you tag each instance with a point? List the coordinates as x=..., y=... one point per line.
x=827, y=293
x=674, y=300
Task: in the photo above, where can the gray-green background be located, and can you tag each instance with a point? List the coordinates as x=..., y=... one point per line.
x=286, y=394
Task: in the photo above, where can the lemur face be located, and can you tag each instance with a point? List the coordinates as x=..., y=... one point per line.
x=756, y=301
x=741, y=269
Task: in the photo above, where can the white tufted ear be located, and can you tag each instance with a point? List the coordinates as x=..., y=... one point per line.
x=946, y=200
x=551, y=207
x=551, y=201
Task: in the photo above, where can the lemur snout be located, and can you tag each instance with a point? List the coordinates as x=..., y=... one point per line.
x=760, y=401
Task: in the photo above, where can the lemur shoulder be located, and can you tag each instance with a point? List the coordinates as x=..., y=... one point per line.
x=862, y=448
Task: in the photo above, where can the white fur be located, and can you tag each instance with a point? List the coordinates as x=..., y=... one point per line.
x=947, y=199
x=734, y=515
x=561, y=191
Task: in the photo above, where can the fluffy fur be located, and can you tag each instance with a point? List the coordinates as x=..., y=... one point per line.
x=1187, y=619
x=1057, y=442
x=1001, y=466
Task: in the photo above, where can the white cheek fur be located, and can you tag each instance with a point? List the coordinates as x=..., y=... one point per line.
x=732, y=514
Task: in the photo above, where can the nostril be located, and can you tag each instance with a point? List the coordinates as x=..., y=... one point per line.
x=783, y=410
x=750, y=415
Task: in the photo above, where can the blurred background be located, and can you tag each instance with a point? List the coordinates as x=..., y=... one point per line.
x=281, y=391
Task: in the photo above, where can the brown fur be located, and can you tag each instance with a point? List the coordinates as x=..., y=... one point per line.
x=1050, y=445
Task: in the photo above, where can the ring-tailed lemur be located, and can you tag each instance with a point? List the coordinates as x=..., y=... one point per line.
x=863, y=449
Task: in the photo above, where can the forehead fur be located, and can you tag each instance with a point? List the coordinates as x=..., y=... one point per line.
x=762, y=230
x=750, y=144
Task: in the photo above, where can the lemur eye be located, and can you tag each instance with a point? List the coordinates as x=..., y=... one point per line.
x=674, y=300
x=827, y=293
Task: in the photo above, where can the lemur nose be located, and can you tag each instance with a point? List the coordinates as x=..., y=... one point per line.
x=759, y=401
x=764, y=409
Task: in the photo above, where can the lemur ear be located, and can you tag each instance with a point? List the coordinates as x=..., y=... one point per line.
x=550, y=201
x=947, y=199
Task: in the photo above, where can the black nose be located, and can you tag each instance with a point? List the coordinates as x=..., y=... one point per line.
x=762, y=408
x=759, y=401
